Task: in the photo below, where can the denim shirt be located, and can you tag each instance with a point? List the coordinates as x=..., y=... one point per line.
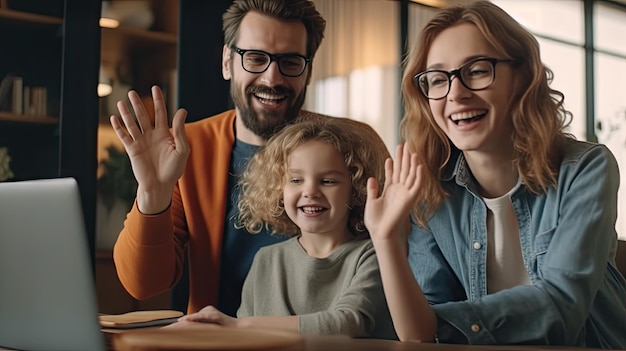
x=568, y=241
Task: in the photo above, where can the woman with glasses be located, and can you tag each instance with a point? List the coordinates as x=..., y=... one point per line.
x=512, y=235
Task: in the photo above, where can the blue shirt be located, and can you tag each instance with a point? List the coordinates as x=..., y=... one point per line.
x=238, y=246
x=568, y=241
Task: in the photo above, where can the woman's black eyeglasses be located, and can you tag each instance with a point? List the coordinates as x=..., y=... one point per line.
x=475, y=75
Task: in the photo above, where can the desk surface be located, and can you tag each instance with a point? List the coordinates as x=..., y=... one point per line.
x=218, y=338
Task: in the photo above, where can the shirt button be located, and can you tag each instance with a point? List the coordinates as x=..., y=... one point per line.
x=477, y=245
x=475, y=327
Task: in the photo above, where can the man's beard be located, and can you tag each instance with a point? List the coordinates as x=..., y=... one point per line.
x=272, y=121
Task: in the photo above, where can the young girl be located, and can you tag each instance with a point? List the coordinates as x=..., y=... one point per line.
x=513, y=240
x=310, y=182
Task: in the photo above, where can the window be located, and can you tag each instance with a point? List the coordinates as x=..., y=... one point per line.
x=562, y=50
x=610, y=94
x=356, y=70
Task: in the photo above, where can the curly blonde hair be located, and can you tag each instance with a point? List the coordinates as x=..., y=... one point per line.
x=261, y=201
x=538, y=115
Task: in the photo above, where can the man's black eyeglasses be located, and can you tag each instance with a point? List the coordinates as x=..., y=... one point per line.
x=475, y=75
x=257, y=61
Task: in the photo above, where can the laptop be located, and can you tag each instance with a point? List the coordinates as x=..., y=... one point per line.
x=47, y=289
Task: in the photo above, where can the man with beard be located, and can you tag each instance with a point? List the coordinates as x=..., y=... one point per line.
x=186, y=195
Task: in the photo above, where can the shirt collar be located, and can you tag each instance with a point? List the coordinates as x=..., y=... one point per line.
x=458, y=170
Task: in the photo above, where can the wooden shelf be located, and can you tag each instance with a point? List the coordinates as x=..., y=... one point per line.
x=19, y=16
x=12, y=117
x=125, y=37
x=124, y=43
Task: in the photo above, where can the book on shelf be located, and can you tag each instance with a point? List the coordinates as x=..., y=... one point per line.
x=6, y=92
x=20, y=99
x=35, y=101
x=12, y=94
x=27, y=102
x=17, y=103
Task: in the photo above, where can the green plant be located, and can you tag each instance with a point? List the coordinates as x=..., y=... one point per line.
x=5, y=168
x=116, y=181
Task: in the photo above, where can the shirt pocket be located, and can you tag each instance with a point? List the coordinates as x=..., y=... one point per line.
x=540, y=247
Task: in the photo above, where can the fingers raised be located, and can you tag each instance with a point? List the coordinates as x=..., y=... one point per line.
x=405, y=166
x=178, y=127
x=389, y=164
x=120, y=131
x=406, y=170
x=395, y=177
x=140, y=110
x=410, y=168
x=160, y=111
x=372, y=189
x=129, y=121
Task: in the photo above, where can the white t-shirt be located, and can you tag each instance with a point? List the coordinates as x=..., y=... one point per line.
x=505, y=265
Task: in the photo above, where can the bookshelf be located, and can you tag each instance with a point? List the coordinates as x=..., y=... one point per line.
x=30, y=26
x=128, y=37
x=53, y=44
x=63, y=49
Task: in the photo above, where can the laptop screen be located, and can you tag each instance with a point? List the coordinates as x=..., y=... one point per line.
x=47, y=291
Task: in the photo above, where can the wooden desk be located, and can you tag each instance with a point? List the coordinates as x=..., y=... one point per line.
x=218, y=338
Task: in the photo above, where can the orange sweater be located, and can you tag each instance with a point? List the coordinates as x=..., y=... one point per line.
x=149, y=252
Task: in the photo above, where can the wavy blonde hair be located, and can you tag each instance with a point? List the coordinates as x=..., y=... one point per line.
x=261, y=201
x=537, y=111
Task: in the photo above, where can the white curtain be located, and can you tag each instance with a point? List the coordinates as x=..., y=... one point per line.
x=357, y=70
